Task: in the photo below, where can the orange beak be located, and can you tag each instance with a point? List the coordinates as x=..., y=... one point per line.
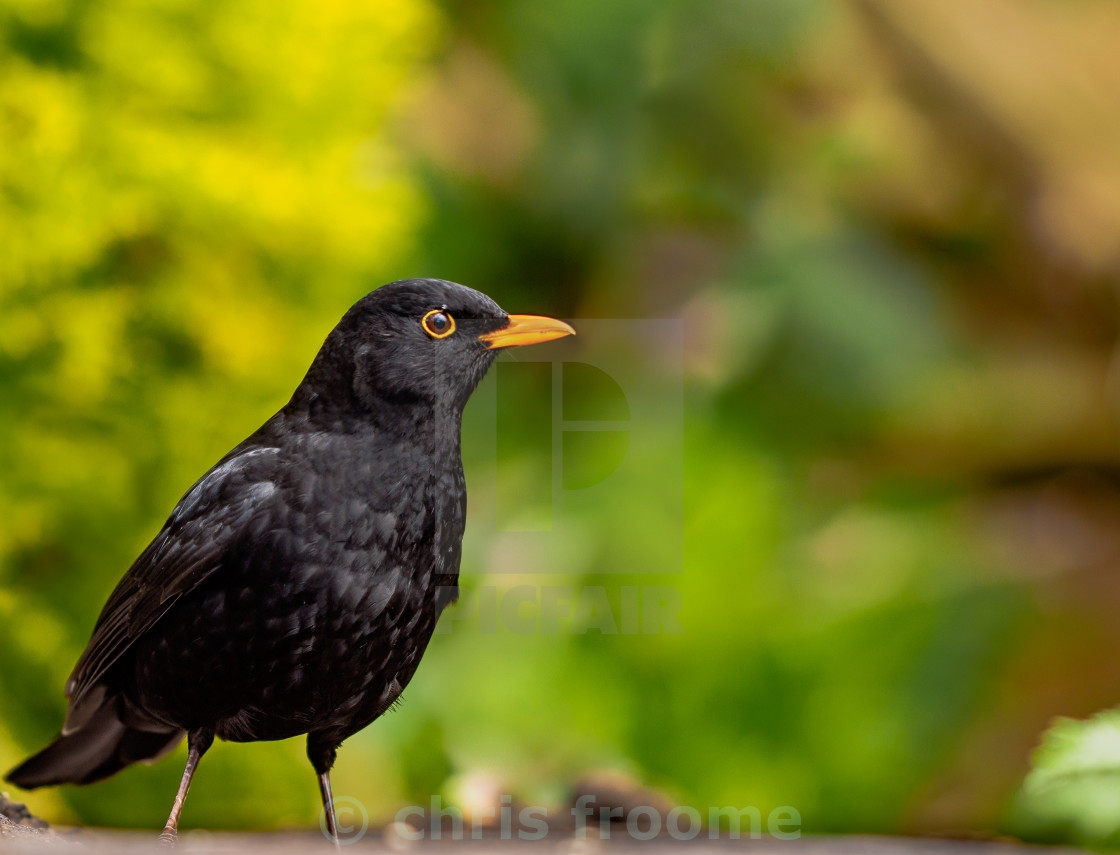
x=526, y=329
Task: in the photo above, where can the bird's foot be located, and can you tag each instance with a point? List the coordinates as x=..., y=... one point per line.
x=168, y=838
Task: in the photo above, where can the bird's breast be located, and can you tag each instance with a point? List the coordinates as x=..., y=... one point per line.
x=322, y=617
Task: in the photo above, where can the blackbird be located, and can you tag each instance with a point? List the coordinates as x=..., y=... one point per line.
x=296, y=585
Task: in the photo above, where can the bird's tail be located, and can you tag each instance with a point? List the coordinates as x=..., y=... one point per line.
x=102, y=746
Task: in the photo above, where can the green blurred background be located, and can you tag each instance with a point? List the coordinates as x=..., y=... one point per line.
x=892, y=232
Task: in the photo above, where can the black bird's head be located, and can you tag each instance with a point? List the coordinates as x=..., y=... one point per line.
x=416, y=344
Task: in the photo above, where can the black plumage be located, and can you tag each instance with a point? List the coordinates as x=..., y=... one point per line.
x=296, y=585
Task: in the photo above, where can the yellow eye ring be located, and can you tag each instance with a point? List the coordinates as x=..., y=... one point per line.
x=438, y=324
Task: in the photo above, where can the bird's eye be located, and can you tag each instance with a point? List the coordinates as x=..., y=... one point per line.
x=438, y=324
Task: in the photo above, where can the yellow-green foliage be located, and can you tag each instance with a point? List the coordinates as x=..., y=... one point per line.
x=190, y=195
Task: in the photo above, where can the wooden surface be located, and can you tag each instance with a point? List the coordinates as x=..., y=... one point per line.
x=81, y=841
x=22, y=832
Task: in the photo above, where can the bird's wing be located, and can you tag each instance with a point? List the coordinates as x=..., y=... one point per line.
x=227, y=503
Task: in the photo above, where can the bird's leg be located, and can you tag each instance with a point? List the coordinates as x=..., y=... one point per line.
x=322, y=754
x=328, y=805
x=198, y=741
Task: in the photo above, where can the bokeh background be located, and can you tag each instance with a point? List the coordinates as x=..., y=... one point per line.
x=891, y=233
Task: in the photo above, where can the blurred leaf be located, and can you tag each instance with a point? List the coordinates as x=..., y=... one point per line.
x=1073, y=787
